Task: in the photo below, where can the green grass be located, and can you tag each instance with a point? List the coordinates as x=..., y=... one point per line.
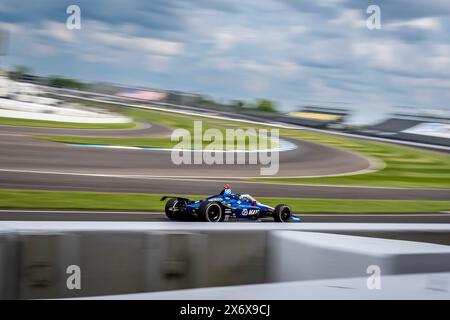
x=404, y=166
x=66, y=125
x=19, y=199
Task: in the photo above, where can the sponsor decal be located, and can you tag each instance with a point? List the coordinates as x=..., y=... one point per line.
x=250, y=212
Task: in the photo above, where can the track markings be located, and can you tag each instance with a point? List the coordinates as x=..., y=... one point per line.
x=209, y=179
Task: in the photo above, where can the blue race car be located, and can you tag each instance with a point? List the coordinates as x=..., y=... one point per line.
x=224, y=206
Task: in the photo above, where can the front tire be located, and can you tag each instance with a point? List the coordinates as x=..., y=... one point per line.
x=211, y=212
x=282, y=213
x=174, y=209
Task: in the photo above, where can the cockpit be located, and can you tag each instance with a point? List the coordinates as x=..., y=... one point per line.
x=247, y=198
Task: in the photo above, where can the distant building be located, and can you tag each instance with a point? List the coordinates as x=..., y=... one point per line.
x=140, y=94
x=424, y=127
x=318, y=117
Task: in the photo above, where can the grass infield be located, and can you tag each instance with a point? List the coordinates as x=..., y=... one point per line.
x=18, y=199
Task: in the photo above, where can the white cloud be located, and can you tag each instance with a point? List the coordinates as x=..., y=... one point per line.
x=128, y=42
x=415, y=59
x=11, y=28
x=58, y=31
x=432, y=23
x=225, y=40
x=350, y=17
x=316, y=51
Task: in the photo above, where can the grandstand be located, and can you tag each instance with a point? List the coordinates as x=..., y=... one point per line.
x=317, y=117
x=416, y=128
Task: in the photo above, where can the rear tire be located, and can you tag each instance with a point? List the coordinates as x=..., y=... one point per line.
x=282, y=213
x=171, y=211
x=211, y=212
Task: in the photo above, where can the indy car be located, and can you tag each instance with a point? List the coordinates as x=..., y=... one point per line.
x=223, y=206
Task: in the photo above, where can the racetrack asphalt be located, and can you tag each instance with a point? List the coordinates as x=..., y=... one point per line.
x=30, y=163
x=28, y=153
x=169, y=186
x=75, y=215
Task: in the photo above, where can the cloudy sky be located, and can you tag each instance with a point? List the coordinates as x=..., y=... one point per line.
x=294, y=52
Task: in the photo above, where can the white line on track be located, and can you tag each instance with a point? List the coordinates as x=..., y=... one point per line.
x=206, y=179
x=284, y=146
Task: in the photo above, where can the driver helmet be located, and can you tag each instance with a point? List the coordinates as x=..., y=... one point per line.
x=227, y=188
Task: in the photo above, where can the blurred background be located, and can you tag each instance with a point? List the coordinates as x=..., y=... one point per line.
x=293, y=53
x=90, y=92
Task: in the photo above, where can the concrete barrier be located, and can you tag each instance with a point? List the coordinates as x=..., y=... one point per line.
x=9, y=272
x=123, y=258
x=430, y=286
x=310, y=255
x=118, y=262
x=42, y=264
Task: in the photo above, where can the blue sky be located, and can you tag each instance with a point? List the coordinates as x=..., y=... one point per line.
x=294, y=52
